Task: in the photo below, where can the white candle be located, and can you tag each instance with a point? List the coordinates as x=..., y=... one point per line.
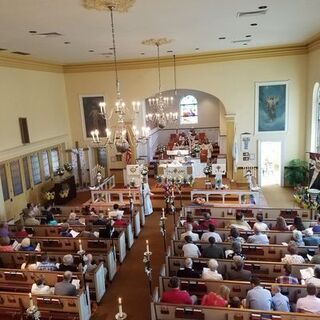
x=30, y=301
x=120, y=307
x=80, y=245
x=163, y=215
x=147, y=245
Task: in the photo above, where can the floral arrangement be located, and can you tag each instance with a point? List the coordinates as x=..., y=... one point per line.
x=180, y=180
x=64, y=193
x=60, y=171
x=199, y=200
x=196, y=148
x=161, y=149
x=49, y=195
x=304, y=199
x=68, y=166
x=144, y=170
x=207, y=170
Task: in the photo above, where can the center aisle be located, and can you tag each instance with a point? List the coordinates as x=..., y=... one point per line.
x=131, y=282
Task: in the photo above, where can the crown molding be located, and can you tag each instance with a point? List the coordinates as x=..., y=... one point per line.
x=189, y=59
x=12, y=61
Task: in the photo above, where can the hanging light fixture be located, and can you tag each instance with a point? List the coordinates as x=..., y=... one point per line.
x=159, y=102
x=117, y=134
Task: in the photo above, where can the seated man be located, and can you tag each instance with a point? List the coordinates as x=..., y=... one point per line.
x=258, y=298
x=187, y=272
x=109, y=232
x=204, y=224
x=211, y=233
x=31, y=220
x=190, y=250
x=309, y=239
x=258, y=237
x=213, y=251
x=39, y=287
x=260, y=224
x=240, y=223
x=65, y=230
x=237, y=272
x=280, y=302
x=115, y=212
x=194, y=236
x=175, y=295
x=310, y=303
x=65, y=287
x=119, y=221
x=287, y=277
x=73, y=219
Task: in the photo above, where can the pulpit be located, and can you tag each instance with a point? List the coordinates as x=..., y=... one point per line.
x=64, y=190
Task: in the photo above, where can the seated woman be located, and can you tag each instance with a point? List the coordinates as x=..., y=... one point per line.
x=67, y=264
x=31, y=263
x=211, y=273
x=73, y=220
x=293, y=257
x=21, y=232
x=87, y=232
x=213, y=299
x=51, y=221
x=87, y=265
x=236, y=251
x=240, y=223
x=235, y=236
x=5, y=244
x=4, y=230
x=297, y=224
x=190, y=220
x=297, y=238
x=120, y=222
x=39, y=287
x=65, y=230
x=281, y=224
x=259, y=223
x=26, y=245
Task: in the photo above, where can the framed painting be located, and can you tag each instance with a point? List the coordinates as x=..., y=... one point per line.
x=271, y=106
x=90, y=113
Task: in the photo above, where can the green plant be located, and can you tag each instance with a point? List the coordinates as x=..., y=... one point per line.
x=297, y=172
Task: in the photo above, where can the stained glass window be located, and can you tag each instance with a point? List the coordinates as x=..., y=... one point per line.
x=35, y=165
x=188, y=110
x=16, y=177
x=4, y=182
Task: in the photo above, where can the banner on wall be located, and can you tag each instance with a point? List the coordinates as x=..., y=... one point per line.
x=314, y=170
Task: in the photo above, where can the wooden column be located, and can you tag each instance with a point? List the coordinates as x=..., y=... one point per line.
x=230, y=119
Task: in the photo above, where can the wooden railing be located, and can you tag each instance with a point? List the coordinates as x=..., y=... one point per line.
x=120, y=196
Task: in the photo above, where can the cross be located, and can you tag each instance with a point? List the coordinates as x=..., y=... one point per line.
x=76, y=151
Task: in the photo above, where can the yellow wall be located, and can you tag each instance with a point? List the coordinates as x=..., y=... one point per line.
x=233, y=82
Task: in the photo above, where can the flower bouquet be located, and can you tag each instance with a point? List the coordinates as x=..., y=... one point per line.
x=68, y=166
x=305, y=199
x=207, y=170
x=60, y=172
x=144, y=171
x=64, y=193
x=199, y=200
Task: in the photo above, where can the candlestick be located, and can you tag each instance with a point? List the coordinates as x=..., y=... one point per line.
x=147, y=246
x=163, y=214
x=30, y=301
x=120, y=307
x=80, y=245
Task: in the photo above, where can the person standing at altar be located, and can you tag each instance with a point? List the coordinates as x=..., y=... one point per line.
x=206, y=145
x=146, y=197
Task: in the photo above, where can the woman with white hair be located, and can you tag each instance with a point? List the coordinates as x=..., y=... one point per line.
x=211, y=273
x=309, y=239
x=297, y=238
x=68, y=264
x=26, y=245
x=73, y=219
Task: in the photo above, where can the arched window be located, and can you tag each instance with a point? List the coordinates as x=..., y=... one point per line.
x=188, y=110
x=315, y=122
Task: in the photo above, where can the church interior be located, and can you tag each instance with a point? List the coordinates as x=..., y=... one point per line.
x=162, y=161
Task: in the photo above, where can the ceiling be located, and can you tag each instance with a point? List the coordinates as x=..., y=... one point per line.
x=194, y=26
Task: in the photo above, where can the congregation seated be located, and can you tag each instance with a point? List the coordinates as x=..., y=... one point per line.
x=206, y=221
x=175, y=295
x=293, y=257
x=236, y=251
x=65, y=287
x=87, y=232
x=259, y=224
x=309, y=239
x=190, y=250
x=31, y=263
x=47, y=264
x=5, y=244
x=297, y=224
x=280, y=302
x=21, y=231
x=213, y=251
x=287, y=277
x=211, y=233
x=26, y=245
x=68, y=264
x=213, y=299
x=65, y=230
x=211, y=273
x=310, y=303
x=316, y=228
x=39, y=287
x=187, y=271
x=235, y=236
x=240, y=223
x=281, y=224
x=73, y=220
x=194, y=236
x=258, y=298
x=315, y=279
x=237, y=272
x=258, y=237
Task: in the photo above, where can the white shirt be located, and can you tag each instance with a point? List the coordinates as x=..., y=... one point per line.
x=207, y=274
x=293, y=259
x=314, y=280
x=261, y=226
x=32, y=266
x=309, y=304
x=205, y=237
x=190, y=250
x=194, y=236
x=42, y=289
x=115, y=213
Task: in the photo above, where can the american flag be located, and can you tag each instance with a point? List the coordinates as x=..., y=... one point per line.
x=128, y=156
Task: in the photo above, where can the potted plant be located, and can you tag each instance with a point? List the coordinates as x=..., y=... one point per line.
x=296, y=173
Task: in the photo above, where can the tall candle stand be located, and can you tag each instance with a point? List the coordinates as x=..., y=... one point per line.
x=163, y=229
x=32, y=312
x=120, y=315
x=147, y=266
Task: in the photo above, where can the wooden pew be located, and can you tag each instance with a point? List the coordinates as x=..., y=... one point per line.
x=267, y=212
x=22, y=280
x=89, y=245
x=265, y=270
x=50, y=306
x=271, y=252
x=17, y=258
x=275, y=237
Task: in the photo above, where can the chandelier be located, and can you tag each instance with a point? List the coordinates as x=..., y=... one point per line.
x=117, y=134
x=117, y=5
x=160, y=103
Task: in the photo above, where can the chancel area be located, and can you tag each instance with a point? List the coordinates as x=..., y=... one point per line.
x=159, y=159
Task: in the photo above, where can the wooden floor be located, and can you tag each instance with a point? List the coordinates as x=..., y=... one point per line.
x=130, y=282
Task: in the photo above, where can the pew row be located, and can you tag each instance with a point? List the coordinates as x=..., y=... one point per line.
x=16, y=259
x=270, y=252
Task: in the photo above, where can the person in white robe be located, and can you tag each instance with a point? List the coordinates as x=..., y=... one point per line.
x=146, y=193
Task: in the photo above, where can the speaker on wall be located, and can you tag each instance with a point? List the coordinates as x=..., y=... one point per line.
x=24, y=130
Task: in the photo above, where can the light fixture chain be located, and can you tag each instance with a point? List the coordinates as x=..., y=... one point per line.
x=175, y=74
x=158, y=51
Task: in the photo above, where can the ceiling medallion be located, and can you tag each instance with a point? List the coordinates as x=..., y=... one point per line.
x=117, y=5
x=156, y=42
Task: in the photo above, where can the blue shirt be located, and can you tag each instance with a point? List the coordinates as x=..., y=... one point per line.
x=258, y=239
x=259, y=298
x=280, y=303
